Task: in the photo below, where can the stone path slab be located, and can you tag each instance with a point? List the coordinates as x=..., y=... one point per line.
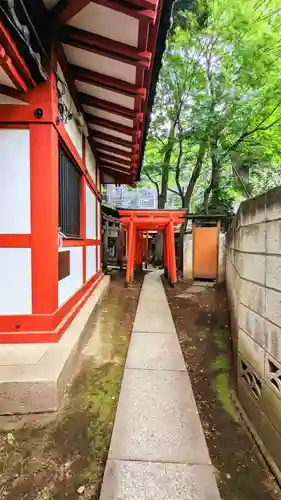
x=156, y=351
x=157, y=419
x=158, y=449
x=126, y=480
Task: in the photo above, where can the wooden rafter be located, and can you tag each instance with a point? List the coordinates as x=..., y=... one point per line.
x=104, y=148
x=109, y=106
x=108, y=82
x=110, y=125
x=115, y=159
x=104, y=46
x=65, y=10
x=96, y=134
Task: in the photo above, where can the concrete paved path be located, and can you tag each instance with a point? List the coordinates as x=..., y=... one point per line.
x=158, y=450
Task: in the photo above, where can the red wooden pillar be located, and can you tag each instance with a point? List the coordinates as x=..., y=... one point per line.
x=130, y=251
x=173, y=269
x=44, y=217
x=146, y=250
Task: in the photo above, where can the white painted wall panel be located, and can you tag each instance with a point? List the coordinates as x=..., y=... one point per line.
x=99, y=222
x=91, y=230
x=69, y=285
x=15, y=182
x=15, y=282
x=99, y=259
x=90, y=162
x=90, y=262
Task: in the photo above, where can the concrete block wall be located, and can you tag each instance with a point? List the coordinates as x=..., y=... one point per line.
x=253, y=279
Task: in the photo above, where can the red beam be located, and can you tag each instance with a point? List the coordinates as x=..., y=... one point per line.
x=148, y=15
x=96, y=134
x=113, y=159
x=104, y=46
x=126, y=170
x=12, y=51
x=146, y=4
x=62, y=12
x=11, y=92
x=11, y=71
x=109, y=106
x=111, y=168
x=99, y=147
x=108, y=82
x=111, y=125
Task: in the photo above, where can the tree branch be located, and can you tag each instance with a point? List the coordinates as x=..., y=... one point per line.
x=153, y=182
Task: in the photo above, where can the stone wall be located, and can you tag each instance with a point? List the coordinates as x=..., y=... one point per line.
x=253, y=278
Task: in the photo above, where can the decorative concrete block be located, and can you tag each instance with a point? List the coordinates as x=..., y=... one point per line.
x=273, y=374
x=252, y=324
x=273, y=271
x=252, y=352
x=188, y=256
x=272, y=336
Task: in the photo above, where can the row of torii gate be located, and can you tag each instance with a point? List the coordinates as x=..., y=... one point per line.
x=137, y=224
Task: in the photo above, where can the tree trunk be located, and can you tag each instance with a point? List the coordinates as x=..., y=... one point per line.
x=195, y=174
x=215, y=176
x=165, y=169
x=188, y=194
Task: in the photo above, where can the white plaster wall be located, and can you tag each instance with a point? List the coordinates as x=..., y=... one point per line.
x=69, y=285
x=15, y=282
x=73, y=131
x=99, y=260
x=221, y=258
x=15, y=182
x=90, y=162
x=90, y=261
x=91, y=207
x=99, y=228
x=188, y=256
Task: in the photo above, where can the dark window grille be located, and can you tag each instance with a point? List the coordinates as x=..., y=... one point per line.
x=69, y=196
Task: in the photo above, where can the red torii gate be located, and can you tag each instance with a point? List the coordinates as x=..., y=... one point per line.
x=138, y=222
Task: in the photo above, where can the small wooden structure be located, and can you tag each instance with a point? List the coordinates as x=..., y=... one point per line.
x=138, y=223
x=201, y=249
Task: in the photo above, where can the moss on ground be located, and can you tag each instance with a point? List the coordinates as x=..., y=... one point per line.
x=65, y=459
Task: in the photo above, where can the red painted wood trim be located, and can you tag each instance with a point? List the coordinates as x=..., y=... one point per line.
x=12, y=51
x=106, y=46
x=146, y=4
x=15, y=241
x=46, y=334
x=44, y=217
x=14, y=93
x=120, y=7
x=11, y=71
x=83, y=209
x=81, y=42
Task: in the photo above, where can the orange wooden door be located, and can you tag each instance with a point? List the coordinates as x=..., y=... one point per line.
x=205, y=252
